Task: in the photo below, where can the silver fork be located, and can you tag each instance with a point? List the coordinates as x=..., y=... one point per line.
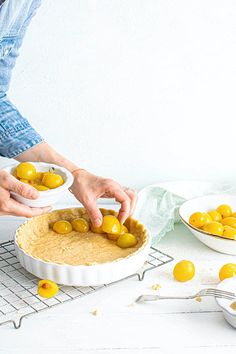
x=204, y=292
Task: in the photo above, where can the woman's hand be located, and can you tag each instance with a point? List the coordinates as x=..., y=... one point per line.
x=9, y=206
x=87, y=188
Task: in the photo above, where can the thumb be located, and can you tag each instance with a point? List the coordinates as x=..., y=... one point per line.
x=93, y=212
x=23, y=189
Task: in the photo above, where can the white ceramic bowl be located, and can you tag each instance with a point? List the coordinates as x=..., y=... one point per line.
x=46, y=198
x=204, y=204
x=229, y=314
x=84, y=275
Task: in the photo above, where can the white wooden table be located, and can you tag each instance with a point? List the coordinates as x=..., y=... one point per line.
x=122, y=327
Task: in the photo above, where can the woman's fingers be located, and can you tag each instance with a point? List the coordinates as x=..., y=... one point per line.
x=133, y=199
x=93, y=211
x=10, y=183
x=12, y=207
x=4, y=198
x=123, y=198
x=87, y=188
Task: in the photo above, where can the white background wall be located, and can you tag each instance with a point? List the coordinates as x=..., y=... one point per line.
x=138, y=90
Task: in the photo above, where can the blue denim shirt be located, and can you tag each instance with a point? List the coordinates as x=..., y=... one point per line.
x=16, y=133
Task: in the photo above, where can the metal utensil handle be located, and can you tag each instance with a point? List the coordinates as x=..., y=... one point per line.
x=175, y=297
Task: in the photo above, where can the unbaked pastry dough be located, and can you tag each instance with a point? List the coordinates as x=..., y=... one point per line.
x=37, y=239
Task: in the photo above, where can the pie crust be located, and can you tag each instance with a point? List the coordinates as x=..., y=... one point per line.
x=37, y=239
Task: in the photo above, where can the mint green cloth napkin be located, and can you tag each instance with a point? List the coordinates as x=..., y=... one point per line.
x=158, y=204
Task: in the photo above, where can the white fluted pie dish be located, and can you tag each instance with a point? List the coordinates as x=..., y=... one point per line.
x=120, y=263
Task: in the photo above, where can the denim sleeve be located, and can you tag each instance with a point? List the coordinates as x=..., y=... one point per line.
x=16, y=133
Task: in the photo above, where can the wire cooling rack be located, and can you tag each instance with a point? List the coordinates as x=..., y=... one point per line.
x=18, y=288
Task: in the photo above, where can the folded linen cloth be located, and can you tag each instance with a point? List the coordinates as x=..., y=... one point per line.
x=158, y=204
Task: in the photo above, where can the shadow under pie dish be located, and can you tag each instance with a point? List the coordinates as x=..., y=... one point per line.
x=80, y=259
